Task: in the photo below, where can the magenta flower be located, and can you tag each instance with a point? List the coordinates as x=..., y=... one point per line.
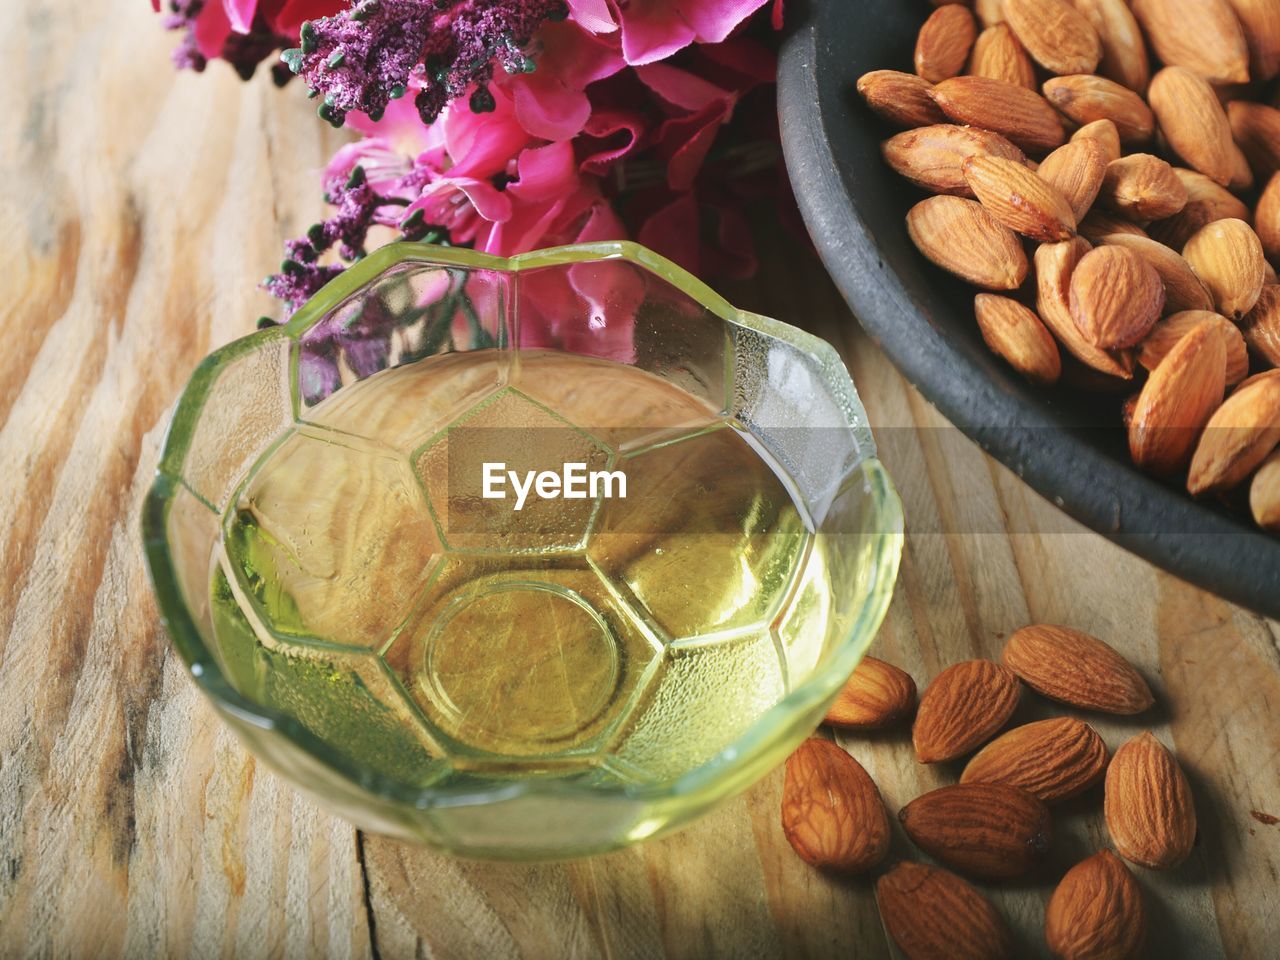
x=655, y=29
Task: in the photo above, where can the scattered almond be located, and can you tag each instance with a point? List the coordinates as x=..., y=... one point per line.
x=1148, y=805
x=932, y=914
x=1076, y=170
x=1086, y=98
x=1057, y=36
x=1099, y=226
x=1264, y=494
x=1183, y=290
x=1266, y=218
x=1019, y=198
x=832, y=813
x=944, y=42
x=1241, y=172
x=1166, y=334
x=988, y=830
x=1261, y=325
x=901, y=98
x=1206, y=202
x=1015, y=333
x=963, y=708
x=1021, y=115
x=1052, y=759
x=877, y=695
x=1193, y=122
x=1096, y=912
x=1124, y=52
x=1227, y=256
x=1055, y=263
x=962, y=237
x=1256, y=128
x=997, y=54
x=1238, y=437
x=1203, y=36
x=1116, y=297
x=1103, y=131
x=1074, y=668
x=932, y=157
x=1142, y=187
x=1260, y=21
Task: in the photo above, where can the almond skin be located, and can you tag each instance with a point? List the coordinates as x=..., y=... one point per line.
x=1023, y=116
x=1266, y=218
x=1238, y=437
x=963, y=708
x=1116, y=297
x=901, y=98
x=1227, y=256
x=960, y=236
x=1183, y=290
x=877, y=695
x=1057, y=36
x=1076, y=171
x=1193, y=122
x=932, y=914
x=998, y=55
x=933, y=157
x=1177, y=400
x=1148, y=806
x=1124, y=51
x=1020, y=199
x=990, y=12
x=944, y=42
x=832, y=813
x=988, y=830
x=1165, y=335
x=1096, y=912
x=1099, y=226
x=1261, y=325
x=1264, y=494
x=1074, y=668
x=1260, y=21
x=1085, y=98
x=1142, y=187
x=1055, y=264
x=1256, y=128
x=1105, y=132
x=1206, y=202
x=1015, y=333
x=1051, y=759
x=1203, y=36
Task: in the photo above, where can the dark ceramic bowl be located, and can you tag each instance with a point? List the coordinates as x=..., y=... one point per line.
x=1069, y=447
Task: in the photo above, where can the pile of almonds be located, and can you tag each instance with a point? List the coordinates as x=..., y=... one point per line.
x=1124, y=224
x=995, y=823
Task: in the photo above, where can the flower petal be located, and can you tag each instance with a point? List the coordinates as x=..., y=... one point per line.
x=680, y=87
x=653, y=30
x=673, y=232
x=240, y=14
x=592, y=15
x=713, y=20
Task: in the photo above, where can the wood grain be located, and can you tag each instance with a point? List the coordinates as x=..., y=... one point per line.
x=139, y=212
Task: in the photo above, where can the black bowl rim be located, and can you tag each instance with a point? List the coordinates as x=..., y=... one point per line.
x=1216, y=551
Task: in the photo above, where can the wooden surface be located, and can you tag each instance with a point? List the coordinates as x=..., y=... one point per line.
x=138, y=211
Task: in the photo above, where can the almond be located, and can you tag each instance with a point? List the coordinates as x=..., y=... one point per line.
x=932, y=914
x=1086, y=98
x=1055, y=263
x=1099, y=226
x=1264, y=494
x=1148, y=805
x=832, y=813
x=989, y=830
x=1021, y=115
x=1052, y=759
x=1018, y=198
x=1261, y=325
x=1074, y=668
x=944, y=42
x=1266, y=218
x=1203, y=36
x=990, y=12
x=1057, y=36
x=1260, y=21
x=997, y=54
x=1238, y=437
x=877, y=695
x=963, y=708
x=1142, y=187
x=1193, y=122
x=1183, y=290
x=1096, y=911
x=1241, y=172
x=1106, y=133
x=1124, y=51
x=1206, y=202
x=1227, y=256
x=1076, y=170
x=1256, y=128
x=1017, y=334
x=933, y=157
x=1166, y=334
x=1116, y=297
x=901, y=98
x=960, y=236
x=1177, y=400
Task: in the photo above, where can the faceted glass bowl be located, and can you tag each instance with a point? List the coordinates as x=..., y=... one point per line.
x=336, y=719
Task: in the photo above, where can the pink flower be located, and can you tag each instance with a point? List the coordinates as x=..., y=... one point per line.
x=655, y=29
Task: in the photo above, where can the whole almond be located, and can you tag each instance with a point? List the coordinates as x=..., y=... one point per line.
x=1116, y=297
x=997, y=54
x=1099, y=226
x=1206, y=202
x=1096, y=912
x=1183, y=290
x=963, y=708
x=1260, y=21
x=944, y=42
x=1193, y=122
x=1051, y=759
x=1107, y=135
x=1227, y=256
x=1264, y=494
x=1177, y=400
x=1021, y=115
x=832, y=813
x=1238, y=437
x=1142, y=187
x=1261, y=326
x=960, y=236
x=933, y=157
x=1086, y=98
x=1076, y=170
x=1166, y=334
x=1124, y=52
x=1256, y=128
x=1055, y=263
x=901, y=98
x=1266, y=218
x=1019, y=198
x=1015, y=333
x=989, y=830
x=877, y=695
x=1241, y=173
x=1203, y=36
x=1057, y=36
x=932, y=914
x=1148, y=805
x=1074, y=668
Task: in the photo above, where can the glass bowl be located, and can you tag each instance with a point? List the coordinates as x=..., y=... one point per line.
x=339, y=719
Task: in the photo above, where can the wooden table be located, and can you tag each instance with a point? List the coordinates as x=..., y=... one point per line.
x=138, y=211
